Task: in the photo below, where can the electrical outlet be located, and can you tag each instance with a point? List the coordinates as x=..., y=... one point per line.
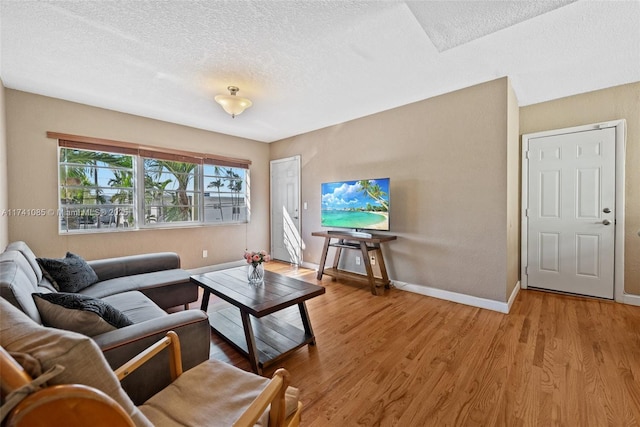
x=357, y=260
x=373, y=260
x=205, y=253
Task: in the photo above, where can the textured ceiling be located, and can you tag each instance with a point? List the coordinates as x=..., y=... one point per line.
x=311, y=64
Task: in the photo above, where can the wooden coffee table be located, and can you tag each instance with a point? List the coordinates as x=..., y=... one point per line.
x=264, y=339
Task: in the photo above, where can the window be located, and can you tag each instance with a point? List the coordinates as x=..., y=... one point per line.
x=121, y=186
x=170, y=194
x=225, y=194
x=96, y=190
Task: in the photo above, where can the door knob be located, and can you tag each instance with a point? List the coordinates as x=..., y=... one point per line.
x=606, y=210
x=606, y=222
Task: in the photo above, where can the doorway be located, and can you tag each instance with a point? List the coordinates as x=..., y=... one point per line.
x=286, y=242
x=573, y=210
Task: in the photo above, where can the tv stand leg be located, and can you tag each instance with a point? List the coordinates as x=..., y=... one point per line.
x=323, y=258
x=383, y=268
x=336, y=258
x=367, y=263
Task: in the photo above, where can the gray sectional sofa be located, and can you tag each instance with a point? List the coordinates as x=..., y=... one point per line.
x=139, y=287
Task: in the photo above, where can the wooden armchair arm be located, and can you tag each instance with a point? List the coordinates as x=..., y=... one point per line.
x=172, y=341
x=13, y=376
x=272, y=395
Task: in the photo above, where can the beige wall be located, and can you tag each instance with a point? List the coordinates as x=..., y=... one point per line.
x=4, y=188
x=620, y=102
x=452, y=206
x=32, y=173
x=454, y=163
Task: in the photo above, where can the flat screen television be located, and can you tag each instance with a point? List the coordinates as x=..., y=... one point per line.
x=358, y=205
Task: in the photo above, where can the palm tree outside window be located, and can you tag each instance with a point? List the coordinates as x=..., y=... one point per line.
x=110, y=191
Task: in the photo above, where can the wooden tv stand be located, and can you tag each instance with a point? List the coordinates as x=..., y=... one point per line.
x=365, y=243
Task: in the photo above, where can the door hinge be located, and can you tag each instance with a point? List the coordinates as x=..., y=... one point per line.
x=526, y=154
x=526, y=270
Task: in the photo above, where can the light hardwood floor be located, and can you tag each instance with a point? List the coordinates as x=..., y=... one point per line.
x=402, y=359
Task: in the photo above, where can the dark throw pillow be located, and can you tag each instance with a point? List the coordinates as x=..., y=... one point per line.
x=70, y=274
x=79, y=313
x=47, y=276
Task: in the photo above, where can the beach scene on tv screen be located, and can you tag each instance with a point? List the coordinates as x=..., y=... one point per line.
x=362, y=204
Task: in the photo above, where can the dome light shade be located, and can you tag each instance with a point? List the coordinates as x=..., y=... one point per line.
x=232, y=103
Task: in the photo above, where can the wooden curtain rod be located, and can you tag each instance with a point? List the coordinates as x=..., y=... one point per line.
x=129, y=145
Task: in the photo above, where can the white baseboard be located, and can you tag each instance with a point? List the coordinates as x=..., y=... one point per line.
x=310, y=265
x=513, y=296
x=216, y=267
x=502, y=307
x=240, y=263
x=631, y=299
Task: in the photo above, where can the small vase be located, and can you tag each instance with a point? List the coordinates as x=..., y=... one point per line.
x=255, y=274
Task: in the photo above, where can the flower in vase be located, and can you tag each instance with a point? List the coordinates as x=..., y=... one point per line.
x=255, y=258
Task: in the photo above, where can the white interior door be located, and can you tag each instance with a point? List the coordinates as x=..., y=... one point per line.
x=571, y=212
x=286, y=243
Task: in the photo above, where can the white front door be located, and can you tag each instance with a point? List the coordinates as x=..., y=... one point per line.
x=286, y=243
x=571, y=212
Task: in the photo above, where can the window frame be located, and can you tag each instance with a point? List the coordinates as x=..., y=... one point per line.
x=140, y=153
x=244, y=192
x=195, y=204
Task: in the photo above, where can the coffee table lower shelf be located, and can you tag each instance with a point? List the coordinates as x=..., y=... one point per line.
x=274, y=337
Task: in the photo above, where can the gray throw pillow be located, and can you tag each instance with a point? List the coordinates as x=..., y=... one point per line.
x=70, y=274
x=79, y=313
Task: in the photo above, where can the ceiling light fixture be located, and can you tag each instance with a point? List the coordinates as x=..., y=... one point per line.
x=233, y=104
